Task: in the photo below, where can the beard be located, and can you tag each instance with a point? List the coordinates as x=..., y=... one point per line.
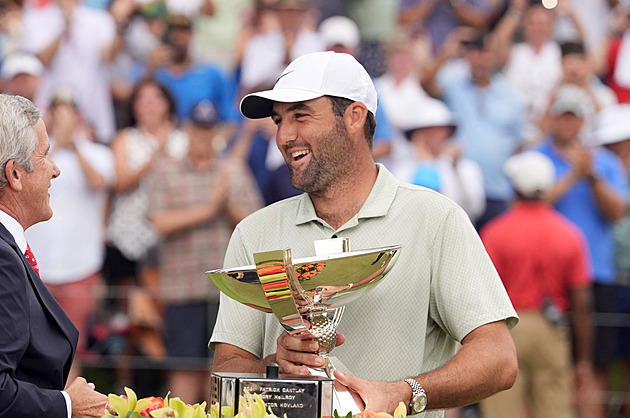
x=329, y=163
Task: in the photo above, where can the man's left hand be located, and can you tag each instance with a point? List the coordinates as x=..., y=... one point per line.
x=377, y=396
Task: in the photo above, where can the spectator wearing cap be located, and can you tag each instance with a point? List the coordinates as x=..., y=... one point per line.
x=190, y=81
x=437, y=162
x=21, y=74
x=613, y=133
x=490, y=114
x=577, y=73
x=591, y=190
x=194, y=204
x=544, y=263
x=70, y=247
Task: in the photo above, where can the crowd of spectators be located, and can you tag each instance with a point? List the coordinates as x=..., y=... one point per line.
x=140, y=98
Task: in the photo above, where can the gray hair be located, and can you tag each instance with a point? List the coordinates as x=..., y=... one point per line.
x=18, y=116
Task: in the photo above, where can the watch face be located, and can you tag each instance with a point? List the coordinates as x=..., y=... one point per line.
x=419, y=403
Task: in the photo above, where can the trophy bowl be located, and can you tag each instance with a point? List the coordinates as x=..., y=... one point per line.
x=308, y=295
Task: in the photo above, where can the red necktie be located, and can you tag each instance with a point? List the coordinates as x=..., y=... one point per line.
x=31, y=258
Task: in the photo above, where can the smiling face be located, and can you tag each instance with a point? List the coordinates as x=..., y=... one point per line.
x=314, y=143
x=35, y=200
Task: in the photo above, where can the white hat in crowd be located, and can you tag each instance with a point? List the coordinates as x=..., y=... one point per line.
x=340, y=30
x=311, y=76
x=613, y=124
x=21, y=62
x=570, y=98
x=531, y=173
x=425, y=113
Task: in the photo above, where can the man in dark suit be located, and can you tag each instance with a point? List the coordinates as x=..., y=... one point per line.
x=37, y=339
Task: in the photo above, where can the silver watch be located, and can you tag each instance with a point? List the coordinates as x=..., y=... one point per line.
x=419, y=397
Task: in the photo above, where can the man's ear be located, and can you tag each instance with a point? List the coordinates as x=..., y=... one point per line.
x=354, y=117
x=14, y=174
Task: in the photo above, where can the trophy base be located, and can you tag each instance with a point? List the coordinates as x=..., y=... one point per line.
x=343, y=401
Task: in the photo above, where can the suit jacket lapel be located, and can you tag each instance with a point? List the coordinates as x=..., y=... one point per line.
x=43, y=294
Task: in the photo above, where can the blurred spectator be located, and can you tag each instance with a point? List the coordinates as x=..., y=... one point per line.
x=618, y=53
x=490, y=115
x=194, y=204
x=189, y=82
x=268, y=53
x=591, y=190
x=191, y=8
x=143, y=34
x=341, y=34
x=70, y=247
x=543, y=261
x=438, y=18
x=21, y=74
x=216, y=36
x=533, y=66
x=258, y=19
x=437, y=162
x=376, y=19
x=131, y=256
x=584, y=20
x=399, y=87
x=614, y=134
x=578, y=75
x=10, y=26
x=75, y=42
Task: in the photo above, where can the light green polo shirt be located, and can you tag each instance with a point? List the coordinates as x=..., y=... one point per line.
x=442, y=286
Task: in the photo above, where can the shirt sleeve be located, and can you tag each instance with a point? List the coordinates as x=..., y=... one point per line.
x=68, y=403
x=466, y=290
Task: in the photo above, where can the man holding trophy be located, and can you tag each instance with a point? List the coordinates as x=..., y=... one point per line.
x=399, y=340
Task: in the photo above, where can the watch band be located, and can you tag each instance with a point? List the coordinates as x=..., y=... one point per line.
x=416, y=405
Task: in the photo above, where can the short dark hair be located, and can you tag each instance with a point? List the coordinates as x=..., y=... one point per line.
x=572, y=47
x=339, y=106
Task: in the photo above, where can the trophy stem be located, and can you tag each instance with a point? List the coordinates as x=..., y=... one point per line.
x=328, y=370
x=343, y=401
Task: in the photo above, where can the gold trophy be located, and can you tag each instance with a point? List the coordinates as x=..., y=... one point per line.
x=308, y=295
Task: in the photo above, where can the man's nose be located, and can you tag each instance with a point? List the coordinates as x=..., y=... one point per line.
x=56, y=170
x=286, y=132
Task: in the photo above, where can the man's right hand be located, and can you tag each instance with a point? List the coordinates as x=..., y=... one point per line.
x=86, y=402
x=295, y=354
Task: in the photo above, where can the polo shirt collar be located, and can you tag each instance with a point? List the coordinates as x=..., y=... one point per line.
x=377, y=204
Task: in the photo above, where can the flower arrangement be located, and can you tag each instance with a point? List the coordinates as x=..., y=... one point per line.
x=130, y=406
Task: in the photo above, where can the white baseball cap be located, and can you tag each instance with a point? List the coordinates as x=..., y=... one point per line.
x=570, y=99
x=21, y=62
x=311, y=76
x=531, y=173
x=340, y=30
x=425, y=113
x=613, y=124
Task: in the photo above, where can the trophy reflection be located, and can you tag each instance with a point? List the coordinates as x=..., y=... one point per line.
x=308, y=295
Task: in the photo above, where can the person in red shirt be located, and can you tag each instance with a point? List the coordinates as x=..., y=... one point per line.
x=543, y=261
